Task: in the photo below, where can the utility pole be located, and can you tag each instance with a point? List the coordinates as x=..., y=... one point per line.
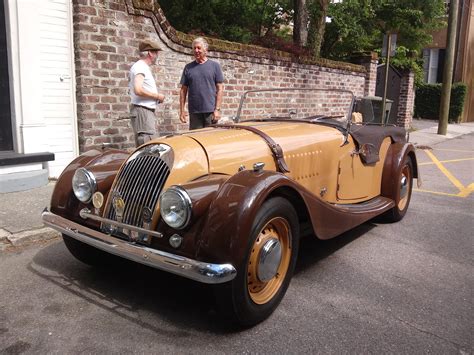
x=448, y=68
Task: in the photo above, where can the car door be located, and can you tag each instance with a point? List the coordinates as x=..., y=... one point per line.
x=359, y=181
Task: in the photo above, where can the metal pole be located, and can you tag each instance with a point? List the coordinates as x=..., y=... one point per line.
x=387, y=64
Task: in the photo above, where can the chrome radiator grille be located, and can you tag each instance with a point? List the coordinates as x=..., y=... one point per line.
x=139, y=184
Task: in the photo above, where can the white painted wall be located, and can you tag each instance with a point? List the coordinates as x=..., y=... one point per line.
x=42, y=75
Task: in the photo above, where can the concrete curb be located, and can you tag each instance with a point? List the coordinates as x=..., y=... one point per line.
x=8, y=239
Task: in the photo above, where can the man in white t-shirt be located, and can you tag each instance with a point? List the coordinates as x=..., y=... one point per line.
x=144, y=93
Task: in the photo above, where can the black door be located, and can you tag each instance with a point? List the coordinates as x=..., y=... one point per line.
x=6, y=136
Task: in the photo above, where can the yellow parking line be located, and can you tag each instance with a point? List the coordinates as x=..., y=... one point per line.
x=445, y=171
x=446, y=161
x=438, y=193
x=467, y=191
x=454, y=150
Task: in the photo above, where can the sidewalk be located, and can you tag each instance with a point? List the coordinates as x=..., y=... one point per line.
x=20, y=212
x=20, y=216
x=424, y=132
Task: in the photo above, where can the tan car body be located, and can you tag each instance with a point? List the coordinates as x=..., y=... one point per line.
x=316, y=156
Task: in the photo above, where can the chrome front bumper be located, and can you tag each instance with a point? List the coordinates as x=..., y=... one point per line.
x=192, y=269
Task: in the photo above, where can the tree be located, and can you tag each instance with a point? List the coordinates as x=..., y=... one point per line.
x=353, y=28
x=300, y=22
x=318, y=10
x=356, y=25
x=244, y=21
x=359, y=25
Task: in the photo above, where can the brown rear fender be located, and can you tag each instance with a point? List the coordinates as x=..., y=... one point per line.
x=396, y=155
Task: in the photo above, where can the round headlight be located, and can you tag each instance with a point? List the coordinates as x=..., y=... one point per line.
x=175, y=207
x=84, y=185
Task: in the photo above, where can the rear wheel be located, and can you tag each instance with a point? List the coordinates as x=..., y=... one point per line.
x=86, y=253
x=264, y=276
x=403, y=193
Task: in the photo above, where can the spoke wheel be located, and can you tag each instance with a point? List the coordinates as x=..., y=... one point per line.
x=276, y=231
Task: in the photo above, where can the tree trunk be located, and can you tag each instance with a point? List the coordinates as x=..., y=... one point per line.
x=317, y=25
x=300, y=23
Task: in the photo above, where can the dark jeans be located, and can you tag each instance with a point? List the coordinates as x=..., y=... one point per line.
x=200, y=120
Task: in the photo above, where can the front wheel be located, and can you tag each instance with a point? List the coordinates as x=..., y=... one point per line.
x=264, y=275
x=403, y=193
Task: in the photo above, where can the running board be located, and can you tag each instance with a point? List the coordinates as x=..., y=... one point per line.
x=379, y=203
x=332, y=219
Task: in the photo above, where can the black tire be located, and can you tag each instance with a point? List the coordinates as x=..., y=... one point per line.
x=402, y=199
x=86, y=253
x=247, y=300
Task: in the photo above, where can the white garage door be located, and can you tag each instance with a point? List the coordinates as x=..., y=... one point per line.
x=57, y=79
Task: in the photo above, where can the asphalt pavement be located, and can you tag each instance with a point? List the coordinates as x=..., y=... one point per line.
x=20, y=212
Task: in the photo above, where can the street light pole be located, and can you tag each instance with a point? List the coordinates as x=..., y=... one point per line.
x=387, y=64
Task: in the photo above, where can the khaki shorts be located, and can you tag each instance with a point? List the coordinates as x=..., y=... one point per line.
x=142, y=138
x=143, y=124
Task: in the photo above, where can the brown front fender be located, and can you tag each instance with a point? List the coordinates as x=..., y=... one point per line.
x=103, y=164
x=226, y=230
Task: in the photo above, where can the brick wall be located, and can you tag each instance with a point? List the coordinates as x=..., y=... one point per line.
x=370, y=62
x=406, y=100
x=106, y=36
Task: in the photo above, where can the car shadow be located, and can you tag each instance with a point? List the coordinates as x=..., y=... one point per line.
x=128, y=289
x=312, y=250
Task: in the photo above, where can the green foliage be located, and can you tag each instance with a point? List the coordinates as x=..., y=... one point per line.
x=407, y=59
x=356, y=26
x=411, y=19
x=428, y=97
x=359, y=25
x=234, y=20
x=352, y=29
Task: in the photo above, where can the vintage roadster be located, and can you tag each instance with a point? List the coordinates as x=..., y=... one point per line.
x=225, y=205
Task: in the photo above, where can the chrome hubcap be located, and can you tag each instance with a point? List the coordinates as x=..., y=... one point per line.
x=269, y=260
x=403, y=187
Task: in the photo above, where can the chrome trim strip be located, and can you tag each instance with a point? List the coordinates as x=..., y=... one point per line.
x=86, y=213
x=192, y=269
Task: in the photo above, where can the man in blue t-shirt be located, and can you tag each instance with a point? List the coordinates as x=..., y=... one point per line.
x=202, y=82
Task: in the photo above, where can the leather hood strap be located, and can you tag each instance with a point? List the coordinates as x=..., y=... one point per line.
x=274, y=147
